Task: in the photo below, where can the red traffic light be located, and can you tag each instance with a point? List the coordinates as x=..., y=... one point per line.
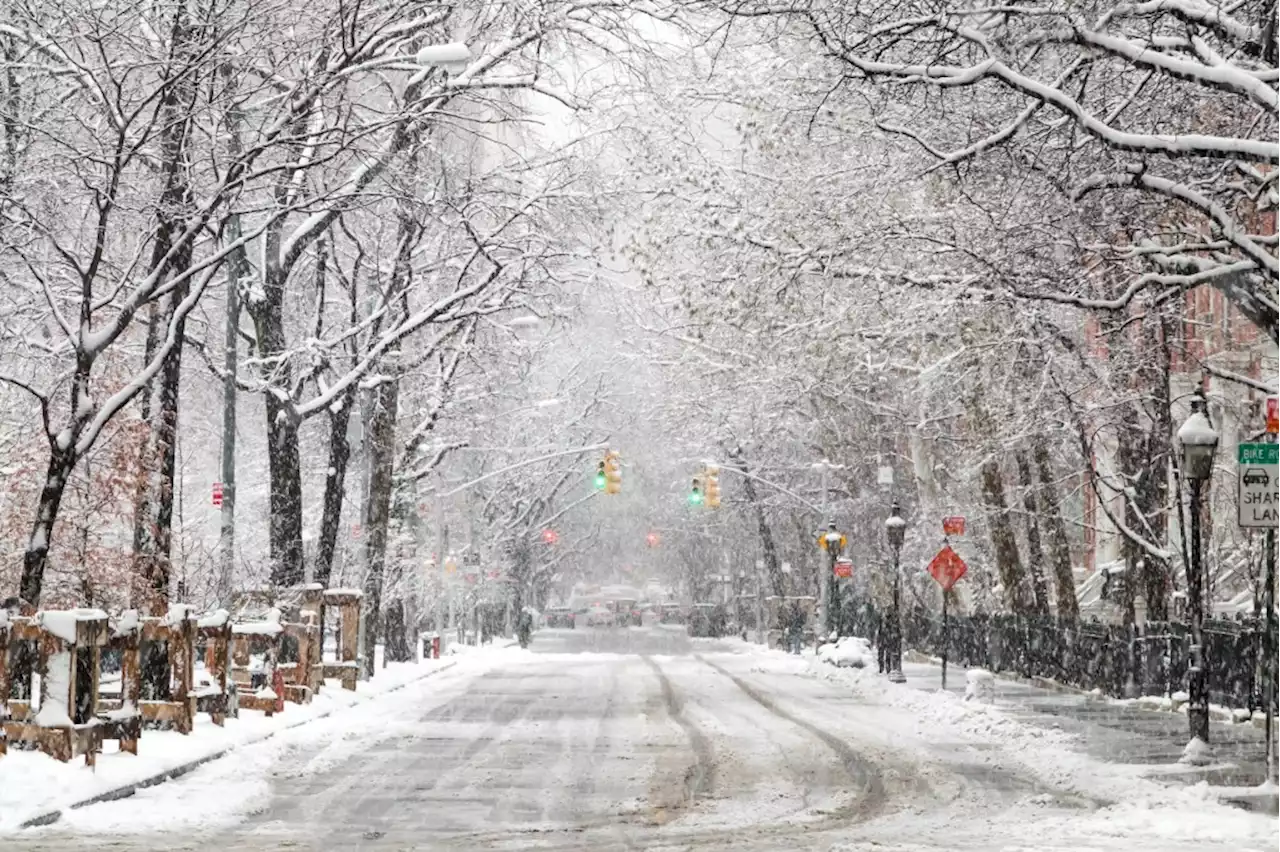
x=550, y=536
x=652, y=539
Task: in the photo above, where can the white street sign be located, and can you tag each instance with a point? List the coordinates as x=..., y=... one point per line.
x=1256, y=475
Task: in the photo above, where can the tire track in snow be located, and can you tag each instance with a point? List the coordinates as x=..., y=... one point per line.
x=874, y=799
x=699, y=778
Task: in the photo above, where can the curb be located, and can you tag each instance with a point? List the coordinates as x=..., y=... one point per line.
x=126, y=790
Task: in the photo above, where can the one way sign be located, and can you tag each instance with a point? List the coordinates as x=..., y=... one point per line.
x=1259, y=506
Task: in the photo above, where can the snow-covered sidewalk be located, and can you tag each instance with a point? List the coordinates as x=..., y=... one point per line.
x=1116, y=799
x=34, y=788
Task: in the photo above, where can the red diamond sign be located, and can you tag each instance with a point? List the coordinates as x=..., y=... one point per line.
x=947, y=568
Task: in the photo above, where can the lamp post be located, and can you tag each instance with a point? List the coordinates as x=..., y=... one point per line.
x=1199, y=441
x=895, y=528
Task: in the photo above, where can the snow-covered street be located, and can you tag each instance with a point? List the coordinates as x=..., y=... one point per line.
x=643, y=739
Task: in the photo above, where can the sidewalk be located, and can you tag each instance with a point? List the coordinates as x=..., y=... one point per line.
x=1119, y=733
x=36, y=790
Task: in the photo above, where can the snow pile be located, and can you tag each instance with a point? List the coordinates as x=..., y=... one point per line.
x=62, y=623
x=1197, y=753
x=55, y=691
x=269, y=627
x=217, y=618
x=125, y=624
x=851, y=651
x=980, y=686
x=178, y=613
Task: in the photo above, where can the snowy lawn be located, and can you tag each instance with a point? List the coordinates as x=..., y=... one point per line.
x=938, y=727
x=33, y=784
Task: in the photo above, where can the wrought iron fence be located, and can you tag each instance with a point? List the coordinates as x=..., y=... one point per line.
x=1147, y=659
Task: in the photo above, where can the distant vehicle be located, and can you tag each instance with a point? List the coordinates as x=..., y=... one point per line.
x=627, y=612
x=1256, y=476
x=599, y=615
x=560, y=616
x=672, y=614
x=706, y=620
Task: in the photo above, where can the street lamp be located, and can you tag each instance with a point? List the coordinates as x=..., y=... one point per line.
x=1199, y=442
x=895, y=528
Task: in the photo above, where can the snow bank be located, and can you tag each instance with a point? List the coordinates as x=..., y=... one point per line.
x=980, y=686
x=851, y=651
x=1131, y=805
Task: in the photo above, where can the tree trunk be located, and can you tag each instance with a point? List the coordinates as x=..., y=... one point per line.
x=1035, y=553
x=1003, y=541
x=1059, y=549
x=739, y=459
x=334, y=487
x=61, y=463
x=285, y=469
x=382, y=433
x=398, y=649
x=154, y=512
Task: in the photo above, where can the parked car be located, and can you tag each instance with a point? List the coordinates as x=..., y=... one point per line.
x=560, y=616
x=672, y=613
x=706, y=620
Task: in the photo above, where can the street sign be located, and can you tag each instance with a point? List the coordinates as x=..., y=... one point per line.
x=822, y=540
x=1273, y=414
x=217, y=495
x=1257, y=503
x=843, y=568
x=884, y=476
x=953, y=525
x=947, y=568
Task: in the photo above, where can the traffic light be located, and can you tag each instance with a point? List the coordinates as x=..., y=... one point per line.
x=602, y=479
x=713, y=486
x=612, y=473
x=695, y=494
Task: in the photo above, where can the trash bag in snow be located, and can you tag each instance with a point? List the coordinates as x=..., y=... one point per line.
x=851, y=651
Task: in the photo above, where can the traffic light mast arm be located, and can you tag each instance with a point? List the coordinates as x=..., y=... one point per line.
x=773, y=485
x=577, y=451
x=561, y=513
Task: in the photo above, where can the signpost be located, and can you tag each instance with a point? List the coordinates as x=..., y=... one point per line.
x=953, y=525
x=947, y=568
x=843, y=568
x=1258, y=507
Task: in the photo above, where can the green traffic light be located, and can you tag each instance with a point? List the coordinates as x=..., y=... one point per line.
x=600, y=481
x=695, y=497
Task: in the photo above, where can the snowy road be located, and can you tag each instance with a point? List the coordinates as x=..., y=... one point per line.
x=637, y=740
